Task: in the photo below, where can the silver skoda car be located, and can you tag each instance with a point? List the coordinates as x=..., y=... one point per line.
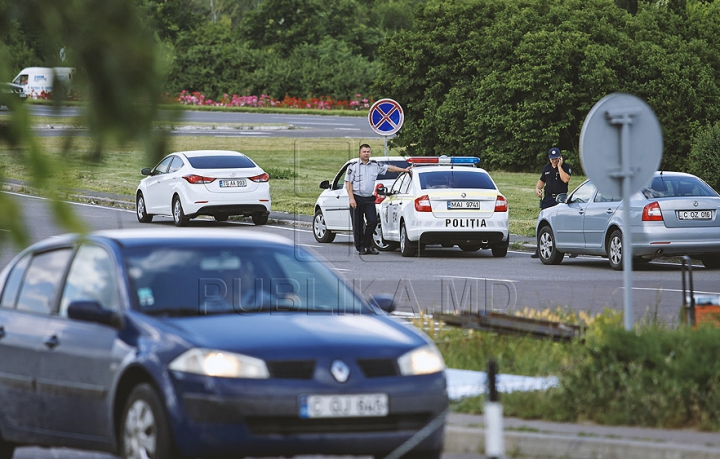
x=676, y=214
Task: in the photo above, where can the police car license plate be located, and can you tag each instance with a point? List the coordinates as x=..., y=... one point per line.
x=232, y=183
x=694, y=214
x=463, y=204
x=343, y=406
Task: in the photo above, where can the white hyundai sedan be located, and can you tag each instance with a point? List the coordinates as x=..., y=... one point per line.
x=218, y=183
x=445, y=202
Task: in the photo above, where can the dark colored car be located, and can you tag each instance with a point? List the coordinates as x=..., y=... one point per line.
x=206, y=343
x=11, y=95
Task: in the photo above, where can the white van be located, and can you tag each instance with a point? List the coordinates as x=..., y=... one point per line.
x=36, y=80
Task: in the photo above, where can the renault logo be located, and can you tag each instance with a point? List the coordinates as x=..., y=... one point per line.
x=340, y=371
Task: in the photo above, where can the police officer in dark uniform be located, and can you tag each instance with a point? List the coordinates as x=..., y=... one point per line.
x=554, y=180
x=360, y=185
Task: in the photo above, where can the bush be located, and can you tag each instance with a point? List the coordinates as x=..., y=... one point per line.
x=705, y=155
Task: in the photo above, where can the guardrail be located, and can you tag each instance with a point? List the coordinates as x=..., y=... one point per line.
x=513, y=325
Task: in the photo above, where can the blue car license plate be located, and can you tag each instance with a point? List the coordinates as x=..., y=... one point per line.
x=343, y=406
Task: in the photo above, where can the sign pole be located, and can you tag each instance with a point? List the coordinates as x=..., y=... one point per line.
x=386, y=147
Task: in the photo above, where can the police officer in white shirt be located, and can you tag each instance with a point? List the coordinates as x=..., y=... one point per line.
x=360, y=185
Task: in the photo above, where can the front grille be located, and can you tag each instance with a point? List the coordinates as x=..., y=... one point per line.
x=376, y=368
x=292, y=425
x=291, y=369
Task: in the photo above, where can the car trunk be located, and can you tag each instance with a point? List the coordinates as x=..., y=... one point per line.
x=231, y=180
x=691, y=212
x=463, y=203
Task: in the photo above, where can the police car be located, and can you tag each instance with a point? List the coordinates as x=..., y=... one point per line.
x=332, y=208
x=445, y=202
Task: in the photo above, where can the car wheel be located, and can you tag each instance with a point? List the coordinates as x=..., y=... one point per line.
x=499, y=252
x=145, y=430
x=6, y=449
x=178, y=215
x=142, y=215
x=469, y=247
x=407, y=247
x=711, y=261
x=549, y=254
x=221, y=217
x=320, y=231
x=260, y=218
x=379, y=241
x=614, y=250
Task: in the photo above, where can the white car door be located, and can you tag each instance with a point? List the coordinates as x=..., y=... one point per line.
x=398, y=193
x=336, y=204
x=153, y=194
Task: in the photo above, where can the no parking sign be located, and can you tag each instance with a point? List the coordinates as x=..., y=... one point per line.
x=386, y=117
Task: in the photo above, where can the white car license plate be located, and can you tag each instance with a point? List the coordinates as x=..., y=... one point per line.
x=342, y=406
x=463, y=204
x=231, y=183
x=694, y=214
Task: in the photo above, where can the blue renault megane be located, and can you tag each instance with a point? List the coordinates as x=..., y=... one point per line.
x=207, y=343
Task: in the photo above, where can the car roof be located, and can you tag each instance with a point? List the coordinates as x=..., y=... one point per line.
x=196, y=153
x=422, y=168
x=381, y=159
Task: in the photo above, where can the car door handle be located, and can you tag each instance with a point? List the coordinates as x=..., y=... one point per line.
x=581, y=211
x=52, y=341
x=609, y=210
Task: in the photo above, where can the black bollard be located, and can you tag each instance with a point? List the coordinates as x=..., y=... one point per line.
x=494, y=440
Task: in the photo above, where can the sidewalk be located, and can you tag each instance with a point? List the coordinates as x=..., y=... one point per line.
x=465, y=433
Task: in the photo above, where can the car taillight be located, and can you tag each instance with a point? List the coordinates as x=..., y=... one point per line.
x=260, y=178
x=652, y=213
x=192, y=178
x=422, y=204
x=501, y=204
x=378, y=198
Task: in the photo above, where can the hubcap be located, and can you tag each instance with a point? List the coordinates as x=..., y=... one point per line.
x=141, y=207
x=546, y=245
x=176, y=211
x=320, y=226
x=402, y=239
x=377, y=237
x=140, y=432
x=616, y=250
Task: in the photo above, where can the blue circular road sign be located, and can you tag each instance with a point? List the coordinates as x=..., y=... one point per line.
x=386, y=117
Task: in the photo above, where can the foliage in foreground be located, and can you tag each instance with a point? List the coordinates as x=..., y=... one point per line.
x=651, y=376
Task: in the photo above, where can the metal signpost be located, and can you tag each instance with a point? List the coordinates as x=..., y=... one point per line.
x=386, y=118
x=620, y=150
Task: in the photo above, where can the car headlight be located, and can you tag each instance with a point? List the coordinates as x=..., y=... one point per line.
x=220, y=364
x=421, y=361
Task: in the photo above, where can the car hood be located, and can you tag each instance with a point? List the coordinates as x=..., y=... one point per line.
x=294, y=335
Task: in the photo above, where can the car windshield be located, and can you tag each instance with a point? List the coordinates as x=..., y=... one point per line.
x=181, y=281
x=456, y=179
x=677, y=186
x=391, y=175
x=221, y=162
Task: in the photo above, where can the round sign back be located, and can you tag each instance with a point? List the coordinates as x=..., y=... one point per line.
x=621, y=137
x=386, y=117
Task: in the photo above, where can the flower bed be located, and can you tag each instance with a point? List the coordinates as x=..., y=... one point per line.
x=315, y=103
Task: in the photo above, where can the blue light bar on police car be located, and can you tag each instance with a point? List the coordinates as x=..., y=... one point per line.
x=443, y=160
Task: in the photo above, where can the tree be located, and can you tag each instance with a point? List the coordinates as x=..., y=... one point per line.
x=507, y=79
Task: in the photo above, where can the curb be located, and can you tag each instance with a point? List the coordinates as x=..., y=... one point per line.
x=466, y=440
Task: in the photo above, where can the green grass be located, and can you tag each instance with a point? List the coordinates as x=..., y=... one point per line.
x=296, y=167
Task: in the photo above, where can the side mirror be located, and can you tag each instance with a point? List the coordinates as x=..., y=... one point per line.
x=91, y=311
x=146, y=171
x=382, y=191
x=561, y=198
x=325, y=184
x=384, y=302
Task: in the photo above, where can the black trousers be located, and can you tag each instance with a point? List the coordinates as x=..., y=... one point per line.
x=364, y=221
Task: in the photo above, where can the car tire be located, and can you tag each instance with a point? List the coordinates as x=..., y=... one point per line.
x=177, y=213
x=469, y=247
x=320, y=231
x=221, y=217
x=141, y=209
x=499, y=252
x=408, y=248
x=6, y=449
x=144, y=429
x=260, y=218
x=711, y=261
x=614, y=250
x=380, y=243
x=549, y=254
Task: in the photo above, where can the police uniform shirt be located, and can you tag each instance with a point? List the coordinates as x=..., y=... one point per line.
x=553, y=183
x=363, y=176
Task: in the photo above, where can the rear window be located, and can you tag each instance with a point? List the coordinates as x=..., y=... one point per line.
x=221, y=162
x=456, y=179
x=392, y=175
x=673, y=187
